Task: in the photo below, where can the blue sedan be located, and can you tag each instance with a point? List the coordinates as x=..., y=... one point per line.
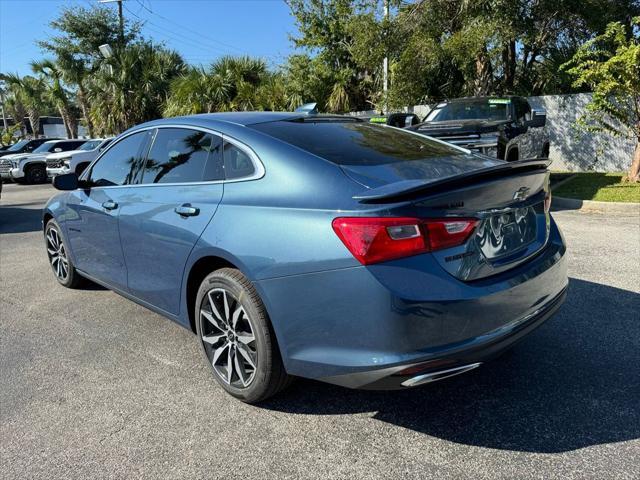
x=318, y=246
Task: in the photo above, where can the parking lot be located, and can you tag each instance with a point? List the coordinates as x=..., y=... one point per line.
x=95, y=386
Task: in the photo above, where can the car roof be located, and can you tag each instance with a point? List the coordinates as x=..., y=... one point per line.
x=489, y=97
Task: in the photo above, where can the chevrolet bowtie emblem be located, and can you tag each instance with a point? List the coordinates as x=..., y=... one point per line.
x=521, y=194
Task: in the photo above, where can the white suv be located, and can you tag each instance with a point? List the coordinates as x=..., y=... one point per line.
x=32, y=167
x=76, y=160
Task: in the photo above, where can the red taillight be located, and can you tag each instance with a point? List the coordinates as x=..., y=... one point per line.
x=378, y=239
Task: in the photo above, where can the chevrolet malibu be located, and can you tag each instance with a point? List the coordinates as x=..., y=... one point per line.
x=325, y=247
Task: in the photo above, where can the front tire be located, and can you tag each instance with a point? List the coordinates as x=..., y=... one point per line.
x=35, y=174
x=63, y=269
x=237, y=338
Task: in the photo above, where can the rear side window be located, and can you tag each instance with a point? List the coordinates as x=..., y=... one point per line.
x=66, y=146
x=121, y=163
x=351, y=143
x=181, y=155
x=237, y=162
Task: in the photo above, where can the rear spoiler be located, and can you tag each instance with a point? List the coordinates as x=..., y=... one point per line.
x=398, y=191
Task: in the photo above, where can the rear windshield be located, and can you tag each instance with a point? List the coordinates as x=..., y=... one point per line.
x=355, y=143
x=480, y=109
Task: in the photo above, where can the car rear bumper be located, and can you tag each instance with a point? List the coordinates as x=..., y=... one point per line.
x=362, y=327
x=454, y=360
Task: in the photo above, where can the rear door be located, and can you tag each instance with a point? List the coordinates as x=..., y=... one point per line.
x=175, y=197
x=92, y=225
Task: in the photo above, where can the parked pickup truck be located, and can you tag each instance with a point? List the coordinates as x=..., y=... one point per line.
x=32, y=168
x=503, y=127
x=76, y=160
x=24, y=146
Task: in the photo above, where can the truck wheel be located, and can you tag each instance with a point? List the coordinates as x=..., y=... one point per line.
x=35, y=174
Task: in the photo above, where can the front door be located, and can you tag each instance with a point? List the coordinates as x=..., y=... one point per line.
x=92, y=222
x=178, y=194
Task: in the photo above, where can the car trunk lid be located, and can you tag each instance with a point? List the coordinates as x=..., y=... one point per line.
x=510, y=201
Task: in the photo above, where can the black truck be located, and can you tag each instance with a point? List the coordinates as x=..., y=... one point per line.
x=503, y=127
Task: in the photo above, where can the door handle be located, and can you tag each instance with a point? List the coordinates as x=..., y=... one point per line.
x=187, y=210
x=109, y=205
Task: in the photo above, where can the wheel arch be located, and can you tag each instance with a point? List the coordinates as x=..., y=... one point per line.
x=199, y=269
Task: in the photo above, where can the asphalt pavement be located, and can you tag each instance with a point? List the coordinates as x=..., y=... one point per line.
x=95, y=386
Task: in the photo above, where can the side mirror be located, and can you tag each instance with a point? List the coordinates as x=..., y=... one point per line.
x=538, y=118
x=66, y=181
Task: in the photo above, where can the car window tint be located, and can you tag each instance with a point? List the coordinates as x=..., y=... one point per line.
x=214, y=170
x=178, y=155
x=66, y=146
x=350, y=143
x=121, y=163
x=237, y=163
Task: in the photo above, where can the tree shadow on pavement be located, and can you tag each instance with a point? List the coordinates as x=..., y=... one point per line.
x=20, y=220
x=572, y=383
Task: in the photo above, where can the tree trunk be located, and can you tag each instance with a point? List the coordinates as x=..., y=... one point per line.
x=482, y=82
x=34, y=120
x=84, y=106
x=65, y=121
x=509, y=65
x=633, y=175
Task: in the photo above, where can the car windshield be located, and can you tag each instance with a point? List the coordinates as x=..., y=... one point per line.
x=17, y=146
x=45, y=147
x=90, y=145
x=356, y=143
x=481, y=109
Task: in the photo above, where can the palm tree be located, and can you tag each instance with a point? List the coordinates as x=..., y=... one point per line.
x=51, y=77
x=132, y=86
x=76, y=72
x=30, y=93
x=197, y=91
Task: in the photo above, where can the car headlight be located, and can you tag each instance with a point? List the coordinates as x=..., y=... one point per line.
x=489, y=137
x=16, y=163
x=65, y=161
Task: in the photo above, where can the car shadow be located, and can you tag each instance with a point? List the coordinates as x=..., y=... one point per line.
x=20, y=220
x=572, y=383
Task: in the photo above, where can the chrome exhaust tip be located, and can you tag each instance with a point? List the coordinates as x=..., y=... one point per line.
x=439, y=375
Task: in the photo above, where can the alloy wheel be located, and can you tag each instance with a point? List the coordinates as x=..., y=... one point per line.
x=57, y=254
x=228, y=338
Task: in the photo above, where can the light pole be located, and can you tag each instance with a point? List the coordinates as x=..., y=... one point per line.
x=4, y=117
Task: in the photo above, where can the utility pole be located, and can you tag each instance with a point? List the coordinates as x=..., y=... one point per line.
x=120, y=16
x=4, y=117
x=385, y=61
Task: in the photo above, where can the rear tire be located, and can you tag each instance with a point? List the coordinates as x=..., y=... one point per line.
x=237, y=338
x=63, y=269
x=35, y=174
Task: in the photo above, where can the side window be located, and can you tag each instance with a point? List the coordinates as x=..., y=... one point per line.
x=66, y=146
x=121, y=163
x=237, y=163
x=178, y=155
x=523, y=110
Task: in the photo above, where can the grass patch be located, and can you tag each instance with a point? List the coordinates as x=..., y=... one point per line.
x=602, y=187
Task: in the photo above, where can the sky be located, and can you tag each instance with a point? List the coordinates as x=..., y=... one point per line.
x=200, y=30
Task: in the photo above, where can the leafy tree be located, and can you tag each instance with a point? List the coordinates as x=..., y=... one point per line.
x=76, y=47
x=28, y=92
x=51, y=76
x=132, y=86
x=609, y=65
